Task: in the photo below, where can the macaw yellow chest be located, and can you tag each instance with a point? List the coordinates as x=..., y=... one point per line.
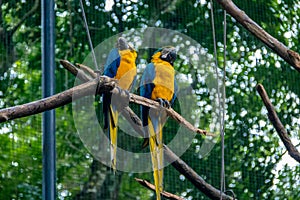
x=127, y=69
x=163, y=81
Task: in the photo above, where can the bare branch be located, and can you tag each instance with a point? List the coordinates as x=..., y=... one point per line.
x=193, y=177
x=294, y=153
x=99, y=85
x=179, y=164
x=75, y=71
x=171, y=113
x=139, y=100
x=87, y=69
x=57, y=100
x=289, y=56
x=150, y=186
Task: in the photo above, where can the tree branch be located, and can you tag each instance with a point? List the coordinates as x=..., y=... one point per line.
x=289, y=56
x=193, y=177
x=105, y=84
x=87, y=70
x=178, y=164
x=150, y=186
x=294, y=153
x=57, y=100
x=134, y=98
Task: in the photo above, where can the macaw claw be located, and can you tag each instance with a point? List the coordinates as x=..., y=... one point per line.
x=163, y=102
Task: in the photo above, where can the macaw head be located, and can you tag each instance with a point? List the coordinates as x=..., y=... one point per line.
x=168, y=54
x=122, y=44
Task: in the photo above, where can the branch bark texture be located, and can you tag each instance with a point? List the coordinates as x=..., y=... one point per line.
x=177, y=163
x=150, y=186
x=99, y=85
x=289, y=56
x=58, y=100
x=193, y=177
x=132, y=97
x=294, y=153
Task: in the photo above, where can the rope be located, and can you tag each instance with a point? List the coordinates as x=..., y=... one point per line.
x=89, y=36
x=223, y=188
x=221, y=105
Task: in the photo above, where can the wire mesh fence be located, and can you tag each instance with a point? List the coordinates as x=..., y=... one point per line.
x=257, y=165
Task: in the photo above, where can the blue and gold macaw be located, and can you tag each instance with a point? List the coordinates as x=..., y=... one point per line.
x=158, y=83
x=120, y=65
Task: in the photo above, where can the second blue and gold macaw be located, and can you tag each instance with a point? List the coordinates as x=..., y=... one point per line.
x=158, y=83
x=120, y=65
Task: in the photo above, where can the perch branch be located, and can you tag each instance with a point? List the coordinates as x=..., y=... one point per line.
x=75, y=71
x=171, y=113
x=294, y=153
x=57, y=100
x=193, y=177
x=177, y=163
x=135, y=98
x=289, y=56
x=150, y=186
x=103, y=84
x=87, y=69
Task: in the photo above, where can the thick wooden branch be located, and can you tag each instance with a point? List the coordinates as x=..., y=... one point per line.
x=99, y=85
x=179, y=164
x=58, y=100
x=289, y=56
x=134, y=98
x=294, y=153
x=193, y=177
x=171, y=113
x=165, y=194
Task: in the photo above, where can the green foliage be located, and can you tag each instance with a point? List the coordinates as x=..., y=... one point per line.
x=253, y=149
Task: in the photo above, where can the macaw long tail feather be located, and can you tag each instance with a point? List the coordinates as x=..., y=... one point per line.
x=113, y=137
x=157, y=158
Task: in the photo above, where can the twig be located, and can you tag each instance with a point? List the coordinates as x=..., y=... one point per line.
x=294, y=153
x=150, y=186
x=87, y=69
x=289, y=56
x=75, y=71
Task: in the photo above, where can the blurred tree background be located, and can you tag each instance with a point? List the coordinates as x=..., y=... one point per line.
x=257, y=165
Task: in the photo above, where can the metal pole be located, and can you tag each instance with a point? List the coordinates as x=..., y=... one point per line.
x=48, y=80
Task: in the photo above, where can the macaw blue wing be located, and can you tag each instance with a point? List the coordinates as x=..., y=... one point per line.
x=175, y=92
x=112, y=63
x=110, y=69
x=146, y=88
